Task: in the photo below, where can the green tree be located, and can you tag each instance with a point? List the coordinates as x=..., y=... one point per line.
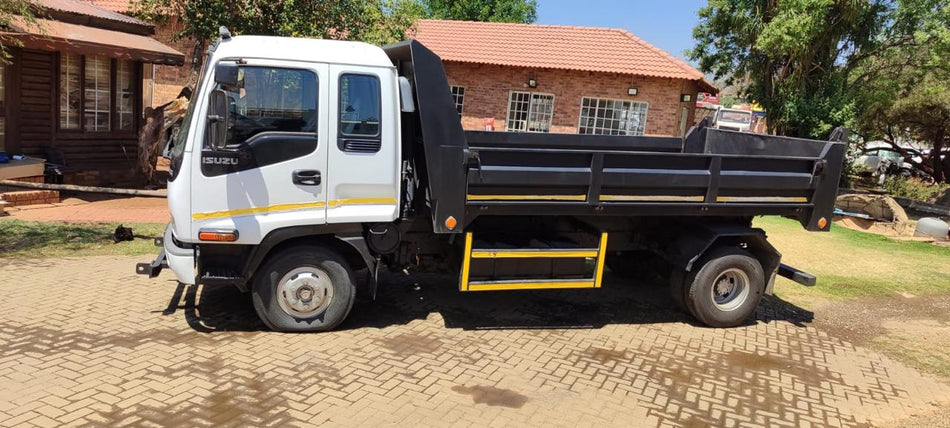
x=521, y=11
x=902, y=92
x=792, y=57
x=373, y=21
x=14, y=10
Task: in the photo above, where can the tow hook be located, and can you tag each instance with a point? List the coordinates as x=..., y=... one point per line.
x=154, y=268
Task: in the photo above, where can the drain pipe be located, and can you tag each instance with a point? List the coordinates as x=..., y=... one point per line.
x=86, y=189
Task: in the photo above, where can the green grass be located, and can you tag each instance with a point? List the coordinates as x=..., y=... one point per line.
x=28, y=239
x=849, y=263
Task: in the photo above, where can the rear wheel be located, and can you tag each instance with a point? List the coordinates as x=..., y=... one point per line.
x=726, y=289
x=304, y=288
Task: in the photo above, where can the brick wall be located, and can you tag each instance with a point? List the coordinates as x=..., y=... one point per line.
x=168, y=80
x=487, y=88
x=30, y=197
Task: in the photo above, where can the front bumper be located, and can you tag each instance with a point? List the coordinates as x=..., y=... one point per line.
x=180, y=260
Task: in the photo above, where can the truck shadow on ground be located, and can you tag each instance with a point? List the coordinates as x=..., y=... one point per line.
x=403, y=299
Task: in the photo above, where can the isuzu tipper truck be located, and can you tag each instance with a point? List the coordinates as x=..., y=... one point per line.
x=302, y=161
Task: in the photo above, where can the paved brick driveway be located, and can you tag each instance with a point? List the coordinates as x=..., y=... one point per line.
x=84, y=341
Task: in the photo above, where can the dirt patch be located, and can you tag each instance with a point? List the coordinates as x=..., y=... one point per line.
x=603, y=355
x=408, y=344
x=876, y=227
x=860, y=320
x=492, y=396
x=915, y=330
x=765, y=364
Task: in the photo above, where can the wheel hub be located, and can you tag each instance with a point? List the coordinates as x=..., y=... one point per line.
x=731, y=289
x=304, y=292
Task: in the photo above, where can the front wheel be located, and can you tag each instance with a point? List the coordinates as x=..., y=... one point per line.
x=304, y=289
x=726, y=290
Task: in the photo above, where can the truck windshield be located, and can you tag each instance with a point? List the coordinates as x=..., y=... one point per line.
x=736, y=117
x=177, y=149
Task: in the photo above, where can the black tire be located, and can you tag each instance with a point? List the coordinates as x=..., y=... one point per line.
x=315, y=261
x=728, y=267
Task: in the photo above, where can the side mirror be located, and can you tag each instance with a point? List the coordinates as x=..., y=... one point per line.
x=218, y=117
x=226, y=73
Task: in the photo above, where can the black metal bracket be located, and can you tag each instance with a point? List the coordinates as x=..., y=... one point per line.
x=803, y=278
x=154, y=268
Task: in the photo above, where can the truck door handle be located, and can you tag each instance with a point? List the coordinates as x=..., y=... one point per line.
x=306, y=177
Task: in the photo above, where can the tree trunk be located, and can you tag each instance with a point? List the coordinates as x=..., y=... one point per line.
x=940, y=174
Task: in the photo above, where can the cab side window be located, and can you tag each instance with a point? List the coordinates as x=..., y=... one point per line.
x=271, y=100
x=360, y=107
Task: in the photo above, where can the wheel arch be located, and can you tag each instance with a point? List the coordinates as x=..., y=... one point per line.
x=694, y=243
x=347, y=240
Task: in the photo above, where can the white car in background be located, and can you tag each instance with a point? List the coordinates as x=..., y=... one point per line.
x=877, y=152
x=733, y=120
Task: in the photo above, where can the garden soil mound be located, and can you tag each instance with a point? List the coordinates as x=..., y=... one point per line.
x=888, y=218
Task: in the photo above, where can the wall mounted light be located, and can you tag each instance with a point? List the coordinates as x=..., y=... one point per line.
x=532, y=83
x=686, y=98
x=632, y=92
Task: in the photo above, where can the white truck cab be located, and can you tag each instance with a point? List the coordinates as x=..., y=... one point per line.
x=734, y=119
x=308, y=141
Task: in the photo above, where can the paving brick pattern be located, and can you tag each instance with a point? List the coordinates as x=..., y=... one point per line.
x=87, y=342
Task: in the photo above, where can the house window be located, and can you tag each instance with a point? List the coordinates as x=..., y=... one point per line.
x=70, y=91
x=529, y=112
x=97, y=97
x=612, y=117
x=88, y=101
x=123, y=95
x=458, y=95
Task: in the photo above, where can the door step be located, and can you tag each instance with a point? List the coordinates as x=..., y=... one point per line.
x=550, y=259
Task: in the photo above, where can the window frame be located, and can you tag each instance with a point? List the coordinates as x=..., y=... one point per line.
x=3, y=106
x=81, y=132
x=531, y=96
x=118, y=92
x=580, y=115
x=339, y=112
x=316, y=80
x=59, y=91
x=458, y=98
x=110, y=94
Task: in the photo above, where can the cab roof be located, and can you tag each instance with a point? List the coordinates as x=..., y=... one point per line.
x=299, y=49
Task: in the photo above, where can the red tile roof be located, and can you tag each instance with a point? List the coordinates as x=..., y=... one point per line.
x=121, y=6
x=608, y=50
x=50, y=35
x=88, y=9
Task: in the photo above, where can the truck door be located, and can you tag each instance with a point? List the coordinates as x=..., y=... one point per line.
x=272, y=172
x=363, y=178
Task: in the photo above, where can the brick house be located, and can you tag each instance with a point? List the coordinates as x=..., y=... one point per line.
x=547, y=78
x=73, y=93
x=604, y=77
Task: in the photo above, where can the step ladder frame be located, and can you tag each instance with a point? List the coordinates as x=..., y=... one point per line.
x=466, y=284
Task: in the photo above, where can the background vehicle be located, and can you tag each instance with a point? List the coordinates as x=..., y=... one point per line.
x=733, y=120
x=878, y=152
x=301, y=161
